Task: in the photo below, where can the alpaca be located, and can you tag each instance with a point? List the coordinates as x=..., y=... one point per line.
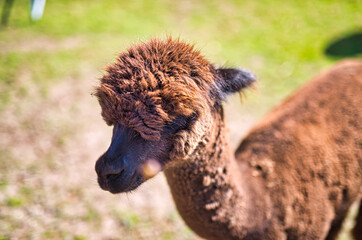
x=294, y=176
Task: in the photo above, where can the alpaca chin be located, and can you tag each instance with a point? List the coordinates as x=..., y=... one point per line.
x=150, y=168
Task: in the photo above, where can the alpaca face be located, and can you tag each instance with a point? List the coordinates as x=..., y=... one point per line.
x=123, y=167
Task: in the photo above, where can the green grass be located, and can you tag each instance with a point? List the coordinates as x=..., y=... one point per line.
x=282, y=42
x=14, y=202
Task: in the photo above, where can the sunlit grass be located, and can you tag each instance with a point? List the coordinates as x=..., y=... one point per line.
x=281, y=41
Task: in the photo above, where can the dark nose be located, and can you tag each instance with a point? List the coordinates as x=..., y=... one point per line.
x=108, y=169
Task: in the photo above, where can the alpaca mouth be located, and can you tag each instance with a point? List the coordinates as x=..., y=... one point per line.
x=119, y=183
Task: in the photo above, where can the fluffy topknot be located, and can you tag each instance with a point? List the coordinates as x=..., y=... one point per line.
x=153, y=83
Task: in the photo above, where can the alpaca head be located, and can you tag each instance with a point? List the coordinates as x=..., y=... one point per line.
x=160, y=98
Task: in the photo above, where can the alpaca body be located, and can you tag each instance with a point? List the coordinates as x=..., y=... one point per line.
x=294, y=176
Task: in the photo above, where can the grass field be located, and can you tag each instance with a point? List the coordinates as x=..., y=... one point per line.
x=51, y=131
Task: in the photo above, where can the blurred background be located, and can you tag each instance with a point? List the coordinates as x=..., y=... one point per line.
x=51, y=131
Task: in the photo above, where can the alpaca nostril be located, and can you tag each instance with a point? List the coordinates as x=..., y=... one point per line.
x=107, y=168
x=110, y=176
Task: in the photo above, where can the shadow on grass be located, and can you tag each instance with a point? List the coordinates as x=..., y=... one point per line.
x=347, y=45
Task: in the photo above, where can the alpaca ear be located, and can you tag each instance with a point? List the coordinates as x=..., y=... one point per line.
x=232, y=80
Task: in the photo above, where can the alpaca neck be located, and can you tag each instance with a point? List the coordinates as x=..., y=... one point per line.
x=213, y=193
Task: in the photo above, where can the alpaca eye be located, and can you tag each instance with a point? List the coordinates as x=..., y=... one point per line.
x=180, y=123
x=175, y=126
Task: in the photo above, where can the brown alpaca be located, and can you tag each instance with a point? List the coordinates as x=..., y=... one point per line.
x=293, y=177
